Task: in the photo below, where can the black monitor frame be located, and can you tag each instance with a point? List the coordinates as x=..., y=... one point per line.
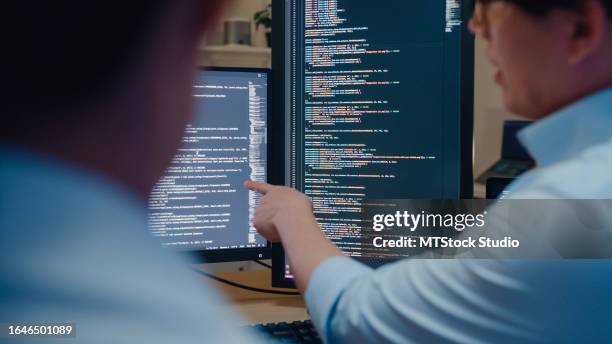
x=467, y=114
x=243, y=254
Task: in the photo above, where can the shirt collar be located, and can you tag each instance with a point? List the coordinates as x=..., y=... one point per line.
x=568, y=132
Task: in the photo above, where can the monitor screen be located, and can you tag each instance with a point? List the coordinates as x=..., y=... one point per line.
x=200, y=203
x=379, y=99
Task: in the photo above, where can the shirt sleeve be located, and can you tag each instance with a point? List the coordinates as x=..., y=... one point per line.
x=419, y=301
x=327, y=284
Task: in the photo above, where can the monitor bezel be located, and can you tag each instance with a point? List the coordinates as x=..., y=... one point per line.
x=241, y=254
x=467, y=113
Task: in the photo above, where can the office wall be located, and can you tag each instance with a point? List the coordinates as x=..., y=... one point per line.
x=239, y=9
x=489, y=113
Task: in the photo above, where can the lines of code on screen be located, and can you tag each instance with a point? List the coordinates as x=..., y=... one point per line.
x=200, y=203
x=374, y=105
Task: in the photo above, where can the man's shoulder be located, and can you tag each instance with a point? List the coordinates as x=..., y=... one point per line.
x=79, y=250
x=586, y=176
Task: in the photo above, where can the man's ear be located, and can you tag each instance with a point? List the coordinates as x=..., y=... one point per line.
x=587, y=30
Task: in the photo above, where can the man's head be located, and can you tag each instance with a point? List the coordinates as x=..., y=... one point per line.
x=102, y=84
x=549, y=53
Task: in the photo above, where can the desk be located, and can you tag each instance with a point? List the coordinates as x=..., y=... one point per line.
x=260, y=307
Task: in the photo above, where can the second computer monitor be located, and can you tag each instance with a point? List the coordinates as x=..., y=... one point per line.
x=200, y=205
x=378, y=97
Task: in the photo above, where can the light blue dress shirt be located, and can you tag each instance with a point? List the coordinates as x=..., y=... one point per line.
x=486, y=301
x=74, y=247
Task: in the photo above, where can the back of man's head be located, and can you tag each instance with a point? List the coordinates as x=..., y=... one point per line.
x=66, y=64
x=61, y=53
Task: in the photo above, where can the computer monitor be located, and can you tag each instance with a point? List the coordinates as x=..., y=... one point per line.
x=379, y=104
x=200, y=205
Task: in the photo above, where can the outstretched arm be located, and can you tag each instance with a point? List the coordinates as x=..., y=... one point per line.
x=409, y=301
x=285, y=215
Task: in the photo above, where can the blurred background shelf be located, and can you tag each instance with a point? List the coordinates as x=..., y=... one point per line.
x=235, y=56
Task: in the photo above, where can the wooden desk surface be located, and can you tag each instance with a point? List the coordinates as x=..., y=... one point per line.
x=259, y=307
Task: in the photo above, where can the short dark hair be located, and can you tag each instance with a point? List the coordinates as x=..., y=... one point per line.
x=63, y=51
x=543, y=7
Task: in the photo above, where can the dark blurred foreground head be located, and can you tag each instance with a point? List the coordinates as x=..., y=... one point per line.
x=105, y=85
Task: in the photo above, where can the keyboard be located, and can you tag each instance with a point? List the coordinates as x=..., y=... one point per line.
x=302, y=332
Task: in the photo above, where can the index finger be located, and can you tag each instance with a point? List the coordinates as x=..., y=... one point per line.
x=262, y=188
